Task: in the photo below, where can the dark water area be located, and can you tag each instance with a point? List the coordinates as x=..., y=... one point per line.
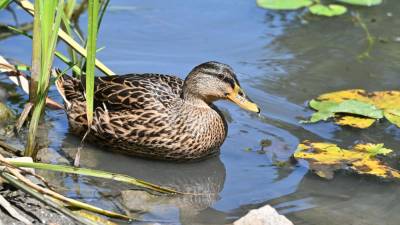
x=283, y=59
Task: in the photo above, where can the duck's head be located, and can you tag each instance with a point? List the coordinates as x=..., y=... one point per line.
x=212, y=81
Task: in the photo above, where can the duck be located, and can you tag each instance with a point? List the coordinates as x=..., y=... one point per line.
x=156, y=116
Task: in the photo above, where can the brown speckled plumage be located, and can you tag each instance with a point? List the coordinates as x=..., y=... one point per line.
x=153, y=115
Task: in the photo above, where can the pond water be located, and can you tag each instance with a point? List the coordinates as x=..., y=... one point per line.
x=283, y=59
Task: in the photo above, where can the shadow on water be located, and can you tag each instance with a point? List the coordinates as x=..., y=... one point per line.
x=282, y=62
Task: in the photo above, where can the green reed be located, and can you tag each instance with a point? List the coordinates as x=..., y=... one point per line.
x=46, y=24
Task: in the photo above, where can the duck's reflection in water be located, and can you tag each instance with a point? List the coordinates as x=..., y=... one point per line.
x=202, y=180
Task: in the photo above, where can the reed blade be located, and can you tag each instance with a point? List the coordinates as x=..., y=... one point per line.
x=97, y=173
x=93, y=11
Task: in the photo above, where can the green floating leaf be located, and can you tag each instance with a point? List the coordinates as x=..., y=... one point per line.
x=373, y=149
x=327, y=10
x=283, y=4
x=362, y=2
x=359, y=108
x=393, y=116
x=327, y=109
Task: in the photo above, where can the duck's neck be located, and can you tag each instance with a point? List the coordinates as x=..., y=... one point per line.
x=194, y=100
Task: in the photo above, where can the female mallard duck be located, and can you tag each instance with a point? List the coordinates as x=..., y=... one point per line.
x=154, y=115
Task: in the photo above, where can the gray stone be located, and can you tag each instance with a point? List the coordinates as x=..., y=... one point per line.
x=49, y=155
x=133, y=200
x=265, y=215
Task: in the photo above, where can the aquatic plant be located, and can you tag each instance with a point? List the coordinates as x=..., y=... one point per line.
x=49, y=16
x=325, y=158
x=46, y=30
x=357, y=107
x=45, y=26
x=315, y=7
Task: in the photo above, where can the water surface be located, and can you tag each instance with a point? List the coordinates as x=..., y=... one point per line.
x=283, y=59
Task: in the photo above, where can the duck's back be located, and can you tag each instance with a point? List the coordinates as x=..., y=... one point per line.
x=139, y=115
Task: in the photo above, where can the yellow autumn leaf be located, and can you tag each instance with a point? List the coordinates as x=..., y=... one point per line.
x=386, y=100
x=392, y=117
x=339, y=96
x=354, y=121
x=325, y=158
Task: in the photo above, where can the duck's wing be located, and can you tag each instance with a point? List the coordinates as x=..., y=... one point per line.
x=137, y=91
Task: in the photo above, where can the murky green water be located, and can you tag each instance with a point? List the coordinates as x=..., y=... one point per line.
x=282, y=60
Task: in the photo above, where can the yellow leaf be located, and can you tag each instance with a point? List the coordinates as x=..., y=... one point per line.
x=339, y=96
x=386, y=100
x=325, y=158
x=392, y=117
x=354, y=121
x=373, y=149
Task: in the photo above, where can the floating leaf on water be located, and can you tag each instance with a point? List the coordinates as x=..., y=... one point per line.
x=393, y=117
x=389, y=102
x=283, y=4
x=342, y=105
x=358, y=108
x=327, y=10
x=325, y=158
x=362, y=2
x=354, y=121
x=327, y=109
x=339, y=96
x=373, y=149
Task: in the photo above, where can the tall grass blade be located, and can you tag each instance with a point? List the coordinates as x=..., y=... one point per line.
x=46, y=24
x=93, y=11
x=27, y=6
x=4, y=3
x=58, y=54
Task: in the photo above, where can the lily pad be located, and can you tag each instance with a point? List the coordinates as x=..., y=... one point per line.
x=361, y=114
x=354, y=121
x=362, y=2
x=327, y=109
x=283, y=4
x=373, y=149
x=326, y=158
x=327, y=10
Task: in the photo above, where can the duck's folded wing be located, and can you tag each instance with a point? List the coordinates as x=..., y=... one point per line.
x=134, y=91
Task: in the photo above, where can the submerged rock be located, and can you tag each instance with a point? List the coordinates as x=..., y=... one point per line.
x=265, y=215
x=49, y=155
x=133, y=200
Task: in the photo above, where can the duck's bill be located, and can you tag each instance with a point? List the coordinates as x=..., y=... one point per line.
x=239, y=98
